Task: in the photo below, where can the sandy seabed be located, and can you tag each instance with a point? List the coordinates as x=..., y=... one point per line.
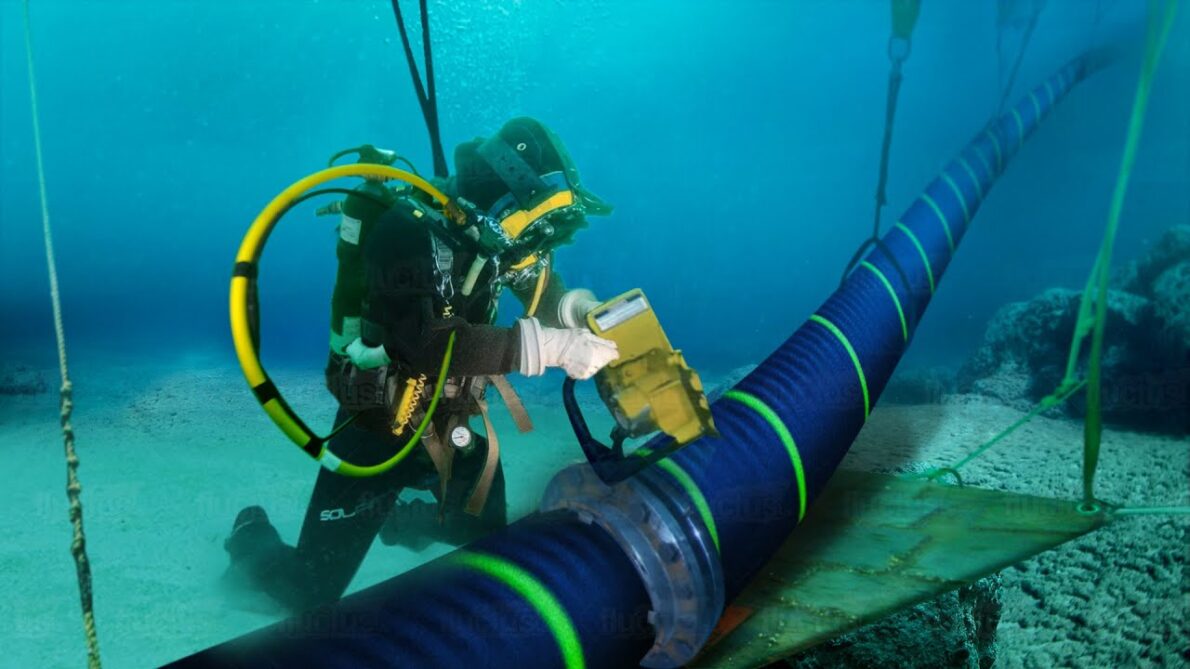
x=169, y=455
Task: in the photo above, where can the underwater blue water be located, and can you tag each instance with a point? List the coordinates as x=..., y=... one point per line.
x=738, y=139
x=739, y=142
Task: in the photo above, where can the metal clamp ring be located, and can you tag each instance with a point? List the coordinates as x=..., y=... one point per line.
x=655, y=523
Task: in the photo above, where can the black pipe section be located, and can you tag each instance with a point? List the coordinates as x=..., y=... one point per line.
x=552, y=591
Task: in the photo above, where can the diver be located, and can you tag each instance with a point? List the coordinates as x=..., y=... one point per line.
x=427, y=288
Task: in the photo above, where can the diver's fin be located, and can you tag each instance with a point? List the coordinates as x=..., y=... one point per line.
x=874, y=544
x=251, y=535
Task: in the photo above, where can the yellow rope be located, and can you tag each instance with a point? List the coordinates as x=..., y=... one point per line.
x=78, y=543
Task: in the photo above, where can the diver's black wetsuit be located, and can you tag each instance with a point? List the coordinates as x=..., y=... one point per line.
x=408, y=288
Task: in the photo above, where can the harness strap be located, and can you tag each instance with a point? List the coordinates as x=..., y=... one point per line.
x=521, y=179
x=483, y=486
x=443, y=457
x=516, y=408
x=444, y=263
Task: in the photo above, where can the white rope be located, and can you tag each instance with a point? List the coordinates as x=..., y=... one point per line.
x=78, y=544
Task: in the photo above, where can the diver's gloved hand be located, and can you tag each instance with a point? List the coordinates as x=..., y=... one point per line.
x=574, y=307
x=579, y=352
x=366, y=357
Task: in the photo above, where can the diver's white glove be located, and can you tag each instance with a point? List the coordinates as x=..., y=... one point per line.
x=574, y=307
x=580, y=352
x=366, y=357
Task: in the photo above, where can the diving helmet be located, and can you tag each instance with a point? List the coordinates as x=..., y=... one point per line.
x=527, y=189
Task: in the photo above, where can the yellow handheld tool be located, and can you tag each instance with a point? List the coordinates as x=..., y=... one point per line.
x=649, y=388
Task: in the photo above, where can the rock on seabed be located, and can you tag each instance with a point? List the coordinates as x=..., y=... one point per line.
x=1146, y=357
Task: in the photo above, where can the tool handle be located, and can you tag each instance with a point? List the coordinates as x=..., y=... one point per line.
x=607, y=461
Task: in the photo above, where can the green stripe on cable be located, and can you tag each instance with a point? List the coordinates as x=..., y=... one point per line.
x=974, y=179
x=859, y=370
x=766, y=412
x=941, y=218
x=1020, y=128
x=891, y=293
x=700, y=501
x=536, y=594
x=984, y=161
x=1036, y=107
x=962, y=201
x=920, y=251
x=996, y=145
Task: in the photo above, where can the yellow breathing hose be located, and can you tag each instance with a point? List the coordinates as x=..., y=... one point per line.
x=244, y=280
x=538, y=291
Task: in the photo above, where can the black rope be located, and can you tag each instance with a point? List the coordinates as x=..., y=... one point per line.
x=911, y=325
x=876, y=243
x=1100, y=12
x=898, y=53
x=1006, y=89
x=900, y=44
x=427, y=92
x=890, y=111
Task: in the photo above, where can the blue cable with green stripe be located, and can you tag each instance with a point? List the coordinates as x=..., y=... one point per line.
x=785, y=427
x=553, y=591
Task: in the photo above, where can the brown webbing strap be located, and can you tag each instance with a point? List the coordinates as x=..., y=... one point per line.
x=443, y=458
x=516, y=408
x=483, y=486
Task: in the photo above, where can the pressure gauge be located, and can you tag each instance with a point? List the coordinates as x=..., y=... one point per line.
x=460, y=437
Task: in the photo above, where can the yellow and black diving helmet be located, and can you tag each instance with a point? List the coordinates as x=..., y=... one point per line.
x=527, y=195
